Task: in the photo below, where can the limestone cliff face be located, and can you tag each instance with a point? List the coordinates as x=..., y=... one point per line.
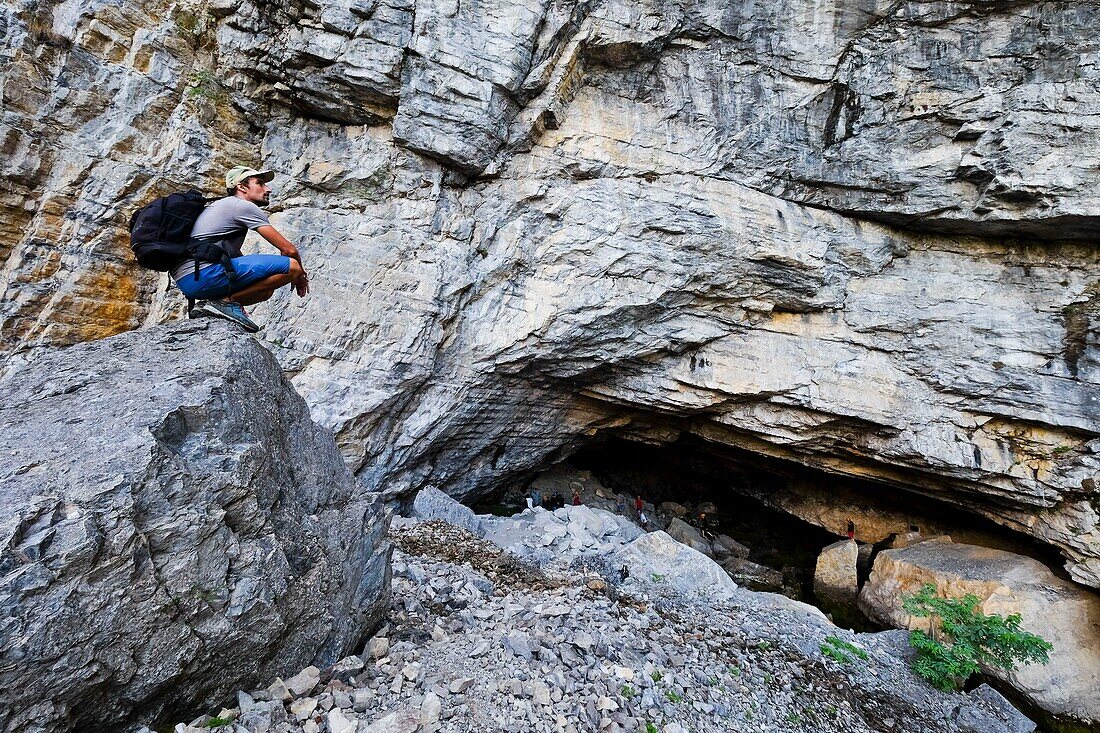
x=852, y=234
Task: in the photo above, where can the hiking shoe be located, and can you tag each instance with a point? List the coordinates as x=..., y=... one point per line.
x=197, y=312
x=229, y=311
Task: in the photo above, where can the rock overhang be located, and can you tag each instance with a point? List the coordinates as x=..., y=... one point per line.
x=646, y=224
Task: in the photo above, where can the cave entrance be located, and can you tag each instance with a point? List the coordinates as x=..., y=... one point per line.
x=782, y=512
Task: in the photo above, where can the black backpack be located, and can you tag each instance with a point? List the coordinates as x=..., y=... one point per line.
x=160, y=232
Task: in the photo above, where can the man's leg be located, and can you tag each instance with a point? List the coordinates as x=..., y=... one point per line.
x=259, y=276
x=261, y=290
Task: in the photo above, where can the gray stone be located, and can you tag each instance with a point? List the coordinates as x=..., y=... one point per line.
x=400, y=721
x=303, y=683
x=655, y=237
x=378, y=647
x=338, y=722
x=836, y=580
x=662, y=240
x=753, y=575
x=362, y=699
x=176, y=527
x=434, y=504
x=303, y=708
x=460, y=685
x=657, y=559
x=430, y=710
x=690, y=536
x=724, y=545
x=991, y=713
x=519, y=644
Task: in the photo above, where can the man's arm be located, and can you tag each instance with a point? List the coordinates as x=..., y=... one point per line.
x=286, y=248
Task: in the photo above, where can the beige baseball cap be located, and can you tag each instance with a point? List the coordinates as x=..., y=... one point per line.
x=238, y=173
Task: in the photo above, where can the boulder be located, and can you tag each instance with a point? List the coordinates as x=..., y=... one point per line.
x=725, y=546
x=753, y=575
x=1062, y=613
x=905, y=539
x=681, y=531
x=174, y=527
x=672, y=509
x=836, y=582
x=657, y=558
x=434, y=504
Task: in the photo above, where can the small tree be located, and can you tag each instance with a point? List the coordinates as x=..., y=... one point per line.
x=970, y=639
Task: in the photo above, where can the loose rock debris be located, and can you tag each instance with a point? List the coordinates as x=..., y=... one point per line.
x=477, y=640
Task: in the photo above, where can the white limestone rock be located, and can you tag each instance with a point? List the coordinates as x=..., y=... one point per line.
x=657, y=559
x=683, y=532
x=1062, y=613
x=529, y=226
x=434, y=504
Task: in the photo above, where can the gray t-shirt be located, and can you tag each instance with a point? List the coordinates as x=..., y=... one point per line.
x=228, y=219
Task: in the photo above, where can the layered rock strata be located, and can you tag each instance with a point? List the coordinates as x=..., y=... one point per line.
x=173, y=526
x=528, y=225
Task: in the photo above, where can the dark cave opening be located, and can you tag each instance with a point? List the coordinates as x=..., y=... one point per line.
x=674, y=473
x=783, y=512
x=795, y=504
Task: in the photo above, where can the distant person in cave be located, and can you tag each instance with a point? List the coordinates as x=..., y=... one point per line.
x=223, y=225
x=643, y=520
x=576, y=498
x=638, y=503
x=851, y=529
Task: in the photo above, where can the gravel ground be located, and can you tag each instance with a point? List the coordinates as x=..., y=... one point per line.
x=477, y=640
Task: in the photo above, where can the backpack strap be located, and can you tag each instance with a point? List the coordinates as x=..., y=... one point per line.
x=212, y=250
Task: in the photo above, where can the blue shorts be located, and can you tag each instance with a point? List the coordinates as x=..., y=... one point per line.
x=213, y=282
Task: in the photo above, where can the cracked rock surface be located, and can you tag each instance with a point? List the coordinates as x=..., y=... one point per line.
x=172, y=525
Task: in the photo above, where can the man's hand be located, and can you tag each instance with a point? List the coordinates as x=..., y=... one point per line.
x=281, y=243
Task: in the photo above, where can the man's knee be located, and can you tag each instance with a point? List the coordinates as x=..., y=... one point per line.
x=295, y=270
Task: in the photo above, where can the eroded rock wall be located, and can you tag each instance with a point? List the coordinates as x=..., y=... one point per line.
x=849, y=234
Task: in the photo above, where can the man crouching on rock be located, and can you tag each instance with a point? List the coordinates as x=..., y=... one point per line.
x=225, y=223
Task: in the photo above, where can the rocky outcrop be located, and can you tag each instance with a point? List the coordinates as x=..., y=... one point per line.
x=655, y=558
x=848, y=237
x=173, y=526
x=1063, y=614
x=562, y=535
x=434, y=504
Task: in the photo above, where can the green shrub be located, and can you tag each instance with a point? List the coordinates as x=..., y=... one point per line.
x=970, y=638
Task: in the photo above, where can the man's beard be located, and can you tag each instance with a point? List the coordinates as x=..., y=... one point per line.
x=265, y=200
